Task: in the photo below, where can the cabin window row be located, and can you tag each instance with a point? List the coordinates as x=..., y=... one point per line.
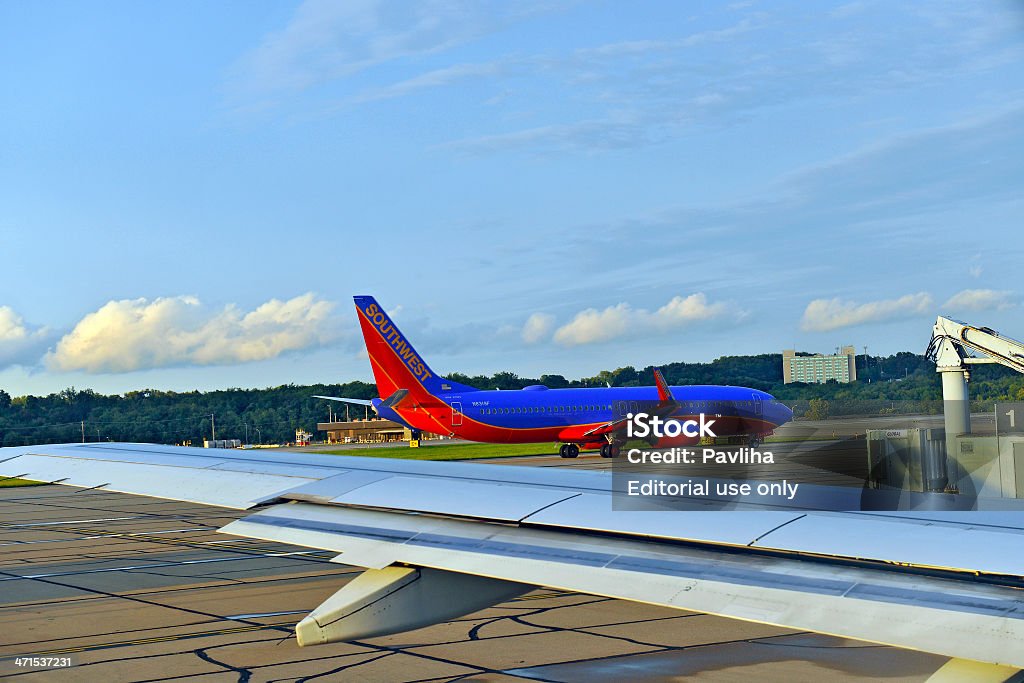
x=692, y=405
x=541, y=409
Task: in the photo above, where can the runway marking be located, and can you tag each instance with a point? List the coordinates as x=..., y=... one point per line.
x=137, y=534
x=156, y=565
x=72, y=521
x=145, y=641
x=260, y=615
x=314, y=555
x=543, y=596
x=172, y=531
x=285, y=580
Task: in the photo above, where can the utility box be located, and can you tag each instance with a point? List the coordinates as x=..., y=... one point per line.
x=222, y=443
x=912, y=459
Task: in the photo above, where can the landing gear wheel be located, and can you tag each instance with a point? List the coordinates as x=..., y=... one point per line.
x=563, y=451
x=569, y=450
x=609, y=451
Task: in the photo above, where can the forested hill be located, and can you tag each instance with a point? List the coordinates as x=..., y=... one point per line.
x=272, y=415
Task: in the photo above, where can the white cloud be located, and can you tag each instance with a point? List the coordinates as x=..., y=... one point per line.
x=630, y=48
x=20, y=344
x=823, y=315
x=432, y=79
x=537, y=328
x=591, y=325
x=12, y=326
x=327, y=40
x=137, y=334
x=682, y=310
x=975, y=269
x=981, y=300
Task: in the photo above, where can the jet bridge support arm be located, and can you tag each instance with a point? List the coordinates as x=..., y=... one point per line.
x=951, y=347
x=950, y=363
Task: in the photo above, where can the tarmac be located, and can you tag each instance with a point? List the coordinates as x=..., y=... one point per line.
x=112, y=587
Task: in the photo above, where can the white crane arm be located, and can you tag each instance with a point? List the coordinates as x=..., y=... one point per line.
x=952, y=341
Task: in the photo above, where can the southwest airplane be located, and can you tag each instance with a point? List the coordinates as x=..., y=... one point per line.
x=590, y=418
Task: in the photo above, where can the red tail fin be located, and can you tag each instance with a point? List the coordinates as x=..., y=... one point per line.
x=395, y=363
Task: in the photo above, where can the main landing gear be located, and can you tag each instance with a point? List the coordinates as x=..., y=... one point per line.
x=571, y=450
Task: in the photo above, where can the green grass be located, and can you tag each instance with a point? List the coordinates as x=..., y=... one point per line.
x=802, y=438
x=462, y=451
x=477, y=451
x=4, y=483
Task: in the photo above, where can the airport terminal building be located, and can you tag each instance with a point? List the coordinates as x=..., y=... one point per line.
x=373, y=430
x=818, y=369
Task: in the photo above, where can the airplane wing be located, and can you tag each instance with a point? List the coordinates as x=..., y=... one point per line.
x=666, y=404
x=607, y=427
x=441, y=539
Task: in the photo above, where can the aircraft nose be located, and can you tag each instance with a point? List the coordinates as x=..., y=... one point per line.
x=780, y=412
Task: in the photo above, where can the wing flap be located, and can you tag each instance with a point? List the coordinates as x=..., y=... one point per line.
x=498, y=502
x=594, y=513
x=918, y=542
x=946, y=615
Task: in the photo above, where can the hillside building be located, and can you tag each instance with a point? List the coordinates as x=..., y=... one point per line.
x=818, y=369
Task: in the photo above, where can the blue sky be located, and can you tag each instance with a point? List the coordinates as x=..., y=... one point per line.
x=192, y=192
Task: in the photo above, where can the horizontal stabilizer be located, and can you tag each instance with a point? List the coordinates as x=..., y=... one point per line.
x=354, y=401
x=396, y=399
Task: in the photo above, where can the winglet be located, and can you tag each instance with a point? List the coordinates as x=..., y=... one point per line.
x=664, y=392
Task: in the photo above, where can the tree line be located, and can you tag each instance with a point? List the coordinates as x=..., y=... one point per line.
x=272, y=415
